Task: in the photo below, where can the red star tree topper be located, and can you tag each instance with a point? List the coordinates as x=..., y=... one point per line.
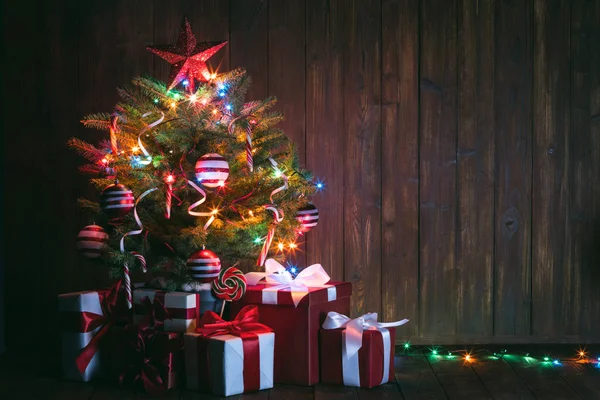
x=187, y=57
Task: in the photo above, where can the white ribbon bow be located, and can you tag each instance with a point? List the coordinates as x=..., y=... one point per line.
x=352, y=342
x=275, y=273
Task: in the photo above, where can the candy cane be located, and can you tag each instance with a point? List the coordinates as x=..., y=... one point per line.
x=249, y=159
x=114, y=129
x=169, y=200
x=199, y=202
x=148, y=159
x=277, y=218
x=126, y=277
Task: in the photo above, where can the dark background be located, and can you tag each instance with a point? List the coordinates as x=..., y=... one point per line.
x=459, y=141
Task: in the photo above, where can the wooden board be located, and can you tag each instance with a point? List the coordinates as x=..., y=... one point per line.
x=286, y=79
x=501, y=381
x=400, y=168
x=325, y=392
x=325, y=131
x=552, y=266
x=583, y=151
x=458, y=379
x=168, y=19
x=362, y=154
x=475, y=168
x=210, y=21
x=248, y=46
x=512, y=104
x=416, y=378
x=438, y=136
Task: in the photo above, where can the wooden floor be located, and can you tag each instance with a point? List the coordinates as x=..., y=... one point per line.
x=418, y=376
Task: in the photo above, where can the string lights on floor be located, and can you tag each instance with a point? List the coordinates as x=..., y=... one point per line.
x=580, y=356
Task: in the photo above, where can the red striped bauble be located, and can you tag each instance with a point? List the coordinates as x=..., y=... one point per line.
x=308, y=217
x=116, y=200
x=203, y=266
x=212, y=170
x=91, y=241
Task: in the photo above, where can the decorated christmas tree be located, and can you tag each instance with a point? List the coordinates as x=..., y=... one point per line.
x=192, y=174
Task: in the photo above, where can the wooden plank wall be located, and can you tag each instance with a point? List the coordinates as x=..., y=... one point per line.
x=459, y=142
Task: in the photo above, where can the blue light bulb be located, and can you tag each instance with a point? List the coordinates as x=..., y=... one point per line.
x=221, y=94
x=228, y=106
x=185, y=82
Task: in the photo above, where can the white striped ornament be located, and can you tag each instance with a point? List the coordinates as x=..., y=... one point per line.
x=204, y=266
x=212, y=170
x=117, y=200
x=308, y=217
x=91, y=241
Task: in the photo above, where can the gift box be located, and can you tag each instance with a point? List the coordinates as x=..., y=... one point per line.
x=358, y=352
x=295, y=313
x=146, y=359
x=228, y=358
x=85, y=318
x=184, y=309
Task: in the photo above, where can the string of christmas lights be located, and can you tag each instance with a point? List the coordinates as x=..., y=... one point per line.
x=580, y=355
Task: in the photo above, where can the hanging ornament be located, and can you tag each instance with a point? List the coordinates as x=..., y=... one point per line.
x=92, y=241
x=308, y=216
x=212, y=170
x=278, y=174
x=116, y=200
x=126, y=275
x=169, y=181
x=204, y=266
x=187, y=57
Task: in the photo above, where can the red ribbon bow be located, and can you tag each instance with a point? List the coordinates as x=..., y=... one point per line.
x=152, y=359
x=113, y=312
x=156, y=313
x=246, y=326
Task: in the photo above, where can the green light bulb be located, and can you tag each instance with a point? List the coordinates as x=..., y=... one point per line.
x=434, y=352
x=406, y=345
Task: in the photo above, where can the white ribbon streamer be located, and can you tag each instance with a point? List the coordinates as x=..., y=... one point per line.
x=126, y=276
x=199, y=202
x=352, y=342
x=148, y=159
x=283, y=176
x=275, y=273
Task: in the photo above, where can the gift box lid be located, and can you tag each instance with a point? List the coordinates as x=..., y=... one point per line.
x=261, y=294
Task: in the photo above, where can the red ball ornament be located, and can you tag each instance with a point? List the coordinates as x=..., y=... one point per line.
x=212, y=170
x=203, y=266
x=308, y=216
x=91, y=241
x=116, y=200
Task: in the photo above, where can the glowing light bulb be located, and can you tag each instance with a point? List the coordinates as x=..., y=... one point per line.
x=407, y=345
x=250, y=213
x=170, y=178
x=193, y=98
x=215, y=211
x=173, y=104
x=257, y=240
x=215, y=111
x=293, y=269
x=176, y=96
x=319, y=185
x=468, y=358
x=293, y=245
x=546, y=358
x=213, y=75
x=581, y=353
x=253, y=121
x=277, y=173
x=221, y=86
x=203, y=101
x=105, y=161
x=185, y=82
x=434, y=352
x=221, y=94
x=228, y=106
x=222, y=183
x=280, y=246
x=556, y=362
x=156, y=101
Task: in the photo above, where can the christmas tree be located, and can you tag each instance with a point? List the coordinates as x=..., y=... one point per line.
x=190, y=165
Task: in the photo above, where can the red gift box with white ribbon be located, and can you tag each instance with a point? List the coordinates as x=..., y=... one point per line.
x=358, y=352
x=295, y=310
